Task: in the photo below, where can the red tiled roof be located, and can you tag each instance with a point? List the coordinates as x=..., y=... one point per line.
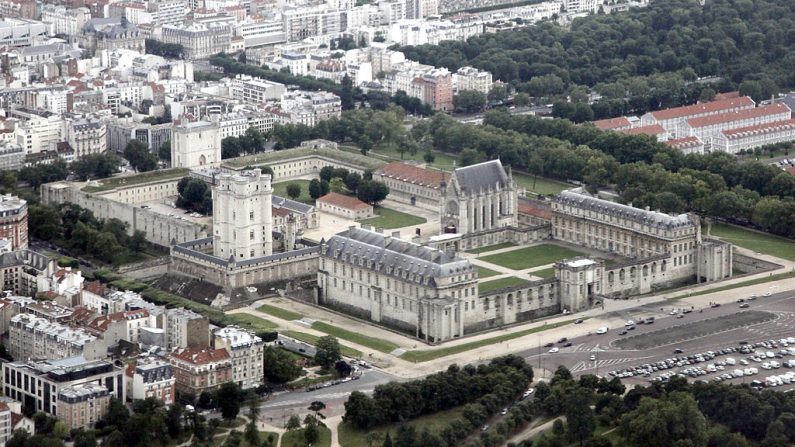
x=685, y=142
x=96, y=287
x=775, y=126
x=524, y=207
x=653, y=130
x=727, y=95
x=707, y=107
x=16, y=418
x=412, y=174
x=102, y=323
x=343, y=201
x=82, y=315
x=612, y=123
x=280, y=212
x=728, y=117
x=202, y=357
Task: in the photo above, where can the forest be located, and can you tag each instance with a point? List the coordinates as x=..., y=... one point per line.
x=640, y=60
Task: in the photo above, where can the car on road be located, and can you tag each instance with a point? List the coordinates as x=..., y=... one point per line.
x=484, y=428
x=549, y=345
x=602, y=330
x=631, y=328
x=624, y=332
x=768, y=293
x=553, y=350
x=713, y=305
x=579, y=321
x=567, y=344
x=593, y=357
x=504, y=411
x=629, y=323
x=744, y=306
x=673, y=312
x=527, y=393
x=563, y=340
x=752, y=297
x=680, y=316
x=678, y=351
x=649, y=320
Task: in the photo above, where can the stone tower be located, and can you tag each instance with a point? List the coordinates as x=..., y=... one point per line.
x=242, y=219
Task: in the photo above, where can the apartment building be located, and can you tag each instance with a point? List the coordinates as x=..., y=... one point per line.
x=19, y=32
x=201, y=370
x=688, y=145
x=37, y=134
x=32, y=337
x=59, y=387
x=434, y=88
x=255, y=90
x=185, y=329
x=20, y=271
x=470, y=78
x=708, y=127
x=245, y=350
x=671, y=119
x=739, y=139
x=620, y=123
x=151, y=377
x=64, y=21
x=14, y=221
x=12, y=156
x=199, y=40
x=86, y=135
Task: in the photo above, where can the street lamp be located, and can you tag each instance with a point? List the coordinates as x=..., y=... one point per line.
x=597, y=360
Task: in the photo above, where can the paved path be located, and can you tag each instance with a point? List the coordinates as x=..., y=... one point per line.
x=532, y=429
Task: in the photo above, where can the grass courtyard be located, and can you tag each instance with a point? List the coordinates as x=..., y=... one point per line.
x=754, y=240
x=278, y=312
x=388, y=218
x=349, y=436
x=295, y=438
x=280, y=189
x=540, y=185
x=252, y=322
x=312, y=340
x=497, y=284
x=483, y=272
x=360, y=339
x=529, y=257
x=487, y=248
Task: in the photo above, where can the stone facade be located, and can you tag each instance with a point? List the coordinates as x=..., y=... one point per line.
x=195, y=144
x=242, y=215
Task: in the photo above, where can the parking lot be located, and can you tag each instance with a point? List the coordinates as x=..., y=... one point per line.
x=752, y=335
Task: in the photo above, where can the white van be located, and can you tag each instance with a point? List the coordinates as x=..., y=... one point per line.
x=774, y=364
x=731, y=361
x=601, y=330
x=738, y=373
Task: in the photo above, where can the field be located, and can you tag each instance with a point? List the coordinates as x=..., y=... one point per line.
x=483, y=272
x=529, y=257
x=442, y=160
x=491, y=248
x=435, y=423
x=545, y=273
x=359, y=339
x=278, y=312
x=295, y=438
x=252, y=322
x=388, y=218
x=432, y=354
x=280, y=189
x=543, y=185
x=754, y=240
x=510, y=281
x=127, y=180
x=312, y=340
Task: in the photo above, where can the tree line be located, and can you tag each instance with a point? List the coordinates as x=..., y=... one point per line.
x=639, y=60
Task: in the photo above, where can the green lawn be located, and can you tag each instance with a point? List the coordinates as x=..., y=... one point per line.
x=483, y=272
x=545, y=273
x=491, y=248
x=441, y=160
x=280, y=189
x=359, y=339
x=754, y=240
x=388, y=218
x=349, y=436
x=295, y=438
x=278, y=312
x=529, y=257
x=312, y=340
x=510, y=281
x=143, y=177
x=543, y=185
x=251, y=322
x=432, y=354
x=750, y=282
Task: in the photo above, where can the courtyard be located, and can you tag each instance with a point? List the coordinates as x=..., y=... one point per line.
x=529, y=257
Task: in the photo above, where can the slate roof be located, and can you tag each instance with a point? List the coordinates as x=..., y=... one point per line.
x=394, y=257
x=292, y=205
x=482, y=176
x=581, y=199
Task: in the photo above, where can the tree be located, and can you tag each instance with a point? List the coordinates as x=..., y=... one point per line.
x=706, y=95
x=174, y=419
x=315, y=189
x=140, y=157
x=337, y=185
x=95, y=166
x=311, y=432
x=498, y=93
x=429, y=157
x=372, y=192
x=326, y=173
x=294, y=190
x=352, y=181
x=580, y=418
x=664, y=422
x=83, y=438
x=294, y=423
x=346, y=93
x=60, y=430
x=469, y=101
x=317, y=406
x=164, y=151
x=194, y=195
x=279, y=366
x=387, y=441
x=327, y=351
x=521, y=100
x=229, y=396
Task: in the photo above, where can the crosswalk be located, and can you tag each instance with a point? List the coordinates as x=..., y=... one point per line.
x=585, y=366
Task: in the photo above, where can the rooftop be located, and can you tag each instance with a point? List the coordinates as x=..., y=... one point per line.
x=612, y=123
x=343, y=201
x=201, y=357
x=728, y=117
x=237, y=337
x=747, y=131
x=412, y=174
x=481, y=176
x=698, y=109
x=652, y=130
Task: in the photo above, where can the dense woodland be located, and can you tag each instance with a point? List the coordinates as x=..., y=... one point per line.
x=640, y=60
x=597, y=412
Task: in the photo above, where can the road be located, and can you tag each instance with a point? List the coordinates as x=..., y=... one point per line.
x=608, y=356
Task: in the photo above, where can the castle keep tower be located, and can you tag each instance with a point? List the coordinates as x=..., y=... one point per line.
x=242, y=220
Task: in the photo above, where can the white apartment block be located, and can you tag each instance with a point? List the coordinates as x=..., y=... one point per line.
x=671, y=119
x=38, y=134
x=242, y=217
x=151, y=377
x=195, y=144
x=383, y=59
x=708, y=127
x=575, y=6
x=199, y=40
x=409, y=32
x=231, y=125
x=63, y=20
x=185, y=329
x=32, y=337
x=87, y=136
x=51, y=99
x=470, y=78
x=246, y=350
x=255, y=90
x=20, y=32
x=167, y=12
x=733, y=141
x=262, y=32
x=311, y=107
